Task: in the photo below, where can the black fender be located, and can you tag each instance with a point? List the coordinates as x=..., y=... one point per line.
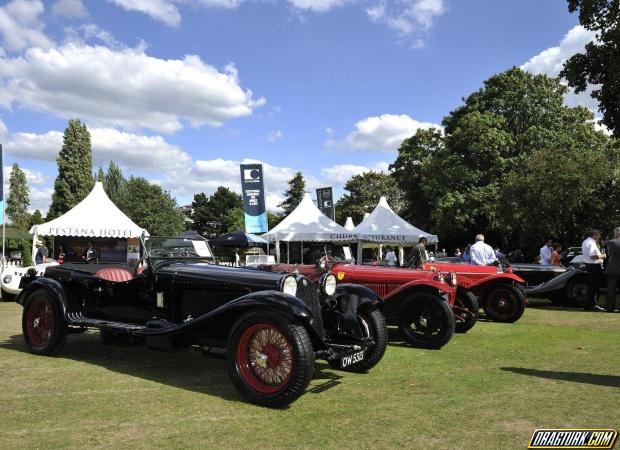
x=52, y=287
x=350, y=297
x=283, y=303
x=556, y=284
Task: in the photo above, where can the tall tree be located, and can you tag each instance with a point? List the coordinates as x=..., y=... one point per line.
x=75, y=165
x=18, y=201
x=101, y=177
x=599, y=66
x=362, y=195
x=295, y=193
x=219, y=213
x=152, y=208
x=115, y=184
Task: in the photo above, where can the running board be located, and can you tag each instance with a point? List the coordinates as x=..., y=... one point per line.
x=78, y=319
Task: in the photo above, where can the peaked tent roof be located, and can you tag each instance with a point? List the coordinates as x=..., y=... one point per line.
x=95, y=216
x=349, y=225
x=306, y=223
x=384, y=226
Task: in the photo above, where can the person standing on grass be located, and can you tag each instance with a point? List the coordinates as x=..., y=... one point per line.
x=555, y=255
x=594, y=266
x=612, y=271
x=482, y=254
x=545, y=253
x=390, y=257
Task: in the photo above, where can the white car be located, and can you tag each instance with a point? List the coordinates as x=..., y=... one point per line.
x=12, y=275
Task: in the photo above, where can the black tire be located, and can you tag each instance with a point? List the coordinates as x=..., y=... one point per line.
x=425, y=320
x=576, y=291
x=7, y=296
x=466, y=306
x=293, y=356
x=373, y=325
x=43, y=326
x=504, y=303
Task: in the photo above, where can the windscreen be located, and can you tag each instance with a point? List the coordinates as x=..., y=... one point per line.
x=178, y=248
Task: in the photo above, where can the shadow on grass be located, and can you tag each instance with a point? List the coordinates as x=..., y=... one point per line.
x=576, y=377
x=187, y=370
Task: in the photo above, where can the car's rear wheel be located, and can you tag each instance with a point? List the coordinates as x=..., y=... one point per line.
x=43, y=326
x=426, y=320
x=577, y=291
x=373, y=326
x=504, y=303
x=466, y=310
x=270, y=358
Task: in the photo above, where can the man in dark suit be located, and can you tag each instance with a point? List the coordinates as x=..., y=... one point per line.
x=612, y=272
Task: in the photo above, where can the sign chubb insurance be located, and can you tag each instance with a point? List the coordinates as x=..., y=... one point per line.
x=253, y=191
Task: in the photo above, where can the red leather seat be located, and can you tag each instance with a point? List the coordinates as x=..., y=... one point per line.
x=115, y=274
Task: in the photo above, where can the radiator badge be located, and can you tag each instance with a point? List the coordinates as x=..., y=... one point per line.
x=341, y=276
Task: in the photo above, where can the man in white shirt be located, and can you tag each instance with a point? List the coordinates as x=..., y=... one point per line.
x=594, y=266
x=482, y=254
x=390, y=257
x=545, y=253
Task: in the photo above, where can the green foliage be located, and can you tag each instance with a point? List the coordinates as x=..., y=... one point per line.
x=599, y=66
x=115, y=184
x=273, y=219
x=101, y=177
x=294, y=195
x=152, y=208
x=75, y=164
x=36, y=218
x=505, y=155
x=18, y=199
x=220, y=213
x=362, y=195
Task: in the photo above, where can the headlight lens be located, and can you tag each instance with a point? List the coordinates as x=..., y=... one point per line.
x=7, y=279
x=453, y=279
x=441, y=278
x=289, y=285
x=329, y=284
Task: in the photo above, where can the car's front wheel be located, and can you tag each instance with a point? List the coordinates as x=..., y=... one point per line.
x=504, y=303
x=270, y=358
x=426, y=320
x=467, y=309
x=373, y=326
x=42, y=324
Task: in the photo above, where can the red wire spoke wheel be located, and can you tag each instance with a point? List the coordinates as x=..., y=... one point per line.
x=42, y=324
x=265, y=358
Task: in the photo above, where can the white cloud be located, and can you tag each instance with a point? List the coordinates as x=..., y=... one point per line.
x=275, y=135
x=21, y=27
x=407, y=17
x=162, y=10
x=339, y=174
x=317, y=5
x=381, y=133
x=40, y=199
x=551, y=61
x=32, y=176
x=124, y=87
x=71, y=9
x=129, y=150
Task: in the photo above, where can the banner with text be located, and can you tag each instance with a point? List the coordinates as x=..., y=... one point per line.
x=253, y=192
x=325, y=202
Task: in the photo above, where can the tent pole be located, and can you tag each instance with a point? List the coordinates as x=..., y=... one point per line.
x=359, y=252
x=278, y=251
x=288, y=252
x=302, y=252
x=401, y=255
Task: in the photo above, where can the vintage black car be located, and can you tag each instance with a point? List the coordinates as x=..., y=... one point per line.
x=557, y=283
x=270, y=326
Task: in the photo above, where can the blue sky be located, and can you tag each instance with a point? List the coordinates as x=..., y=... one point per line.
x=182, y=91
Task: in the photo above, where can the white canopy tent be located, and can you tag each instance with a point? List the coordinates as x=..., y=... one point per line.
x=349, y=225
x=384, y=226
x=306, y=224
x=95, y=216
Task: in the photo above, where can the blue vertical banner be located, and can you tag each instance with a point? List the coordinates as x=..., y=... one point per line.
x=253, y=193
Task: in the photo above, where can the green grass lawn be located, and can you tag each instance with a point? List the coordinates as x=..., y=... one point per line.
x=489, y=388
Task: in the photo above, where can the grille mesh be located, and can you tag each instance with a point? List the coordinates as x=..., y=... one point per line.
x=308, y=293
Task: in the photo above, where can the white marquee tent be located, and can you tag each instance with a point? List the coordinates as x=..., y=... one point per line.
x=95, y=216
x=384, y=226
x=349, y=225
x=306, y=223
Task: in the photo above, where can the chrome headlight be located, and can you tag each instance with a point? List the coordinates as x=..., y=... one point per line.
x=328, y=284
x=288, y=285
x=7, y=279
x=453, y=279
x=441, y=278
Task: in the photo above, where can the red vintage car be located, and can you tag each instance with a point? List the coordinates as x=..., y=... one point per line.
x=423, y=304
x=499, y=292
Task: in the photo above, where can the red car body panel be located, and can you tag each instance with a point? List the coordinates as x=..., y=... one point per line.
x=474, y=277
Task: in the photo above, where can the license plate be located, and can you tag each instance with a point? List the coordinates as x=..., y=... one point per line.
x=349, y=360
